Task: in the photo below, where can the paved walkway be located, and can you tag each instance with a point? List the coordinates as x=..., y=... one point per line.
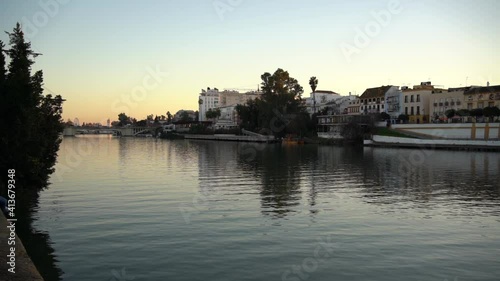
x=25, y=269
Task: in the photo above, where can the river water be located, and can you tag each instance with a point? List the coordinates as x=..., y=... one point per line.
x=147, y=209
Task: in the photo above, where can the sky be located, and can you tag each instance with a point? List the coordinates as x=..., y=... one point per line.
x=149, y=57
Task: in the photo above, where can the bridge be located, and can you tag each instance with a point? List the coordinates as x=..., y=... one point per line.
x=125, y=131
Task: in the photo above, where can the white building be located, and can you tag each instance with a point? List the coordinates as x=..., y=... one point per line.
x=373, y=99
x=228, y=118
x=209, y=99
x=213, y=99
x=394, y=104
x=353, y=108
x=319, y=100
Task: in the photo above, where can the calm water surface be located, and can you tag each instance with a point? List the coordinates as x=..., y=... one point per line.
x=123, y=208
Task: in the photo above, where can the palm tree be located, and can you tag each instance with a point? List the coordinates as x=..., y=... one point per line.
x=313, y=81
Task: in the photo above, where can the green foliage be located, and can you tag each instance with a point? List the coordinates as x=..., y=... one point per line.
x=31, y=122
x=463, y=112
x=352, y=132
x=200, y=129
x=491, y=111
x=477, y=112
x=279, y=110
x=185, y=117
x=384, y=116
x=213, y=113
x=403, y=118
x=123, y=119
x=313, y=82
x=169, y=116
x=383, y=131
x=142, y=123
x=450, y=113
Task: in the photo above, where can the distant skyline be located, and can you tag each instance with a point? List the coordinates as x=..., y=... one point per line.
x=150, y=57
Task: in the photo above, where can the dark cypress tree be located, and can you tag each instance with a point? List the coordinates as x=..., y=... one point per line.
x=31, y=122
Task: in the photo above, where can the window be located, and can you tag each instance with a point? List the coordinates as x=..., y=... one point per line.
x=418, y=98
x=412, y=111
x=418, y=110
x=411, y=99
x=480, y=105
x=406, y=98
x=469, y=106
x=406, y=110
x=378, y=100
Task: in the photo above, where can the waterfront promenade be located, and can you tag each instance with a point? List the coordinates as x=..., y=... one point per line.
x=24, y=268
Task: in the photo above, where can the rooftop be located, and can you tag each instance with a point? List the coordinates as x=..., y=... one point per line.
x=483, y=90
x=375, y=92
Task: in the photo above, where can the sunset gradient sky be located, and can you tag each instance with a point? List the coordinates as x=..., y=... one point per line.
x=96, y=53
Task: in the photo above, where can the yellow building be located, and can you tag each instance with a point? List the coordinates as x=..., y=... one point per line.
x=416, y=102
x=481, y=97
x=443, y=100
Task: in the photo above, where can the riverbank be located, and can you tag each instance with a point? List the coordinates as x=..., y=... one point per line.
x=224, y=137
x=24, y=267
x=475, y=145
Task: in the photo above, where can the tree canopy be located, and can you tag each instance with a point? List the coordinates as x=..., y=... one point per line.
x=280, y=109
x=213, y=113
x=31, y=121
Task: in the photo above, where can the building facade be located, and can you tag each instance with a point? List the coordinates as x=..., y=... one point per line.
x=416, y=102
x=319, y=100
x=481, y=97
x=208, y=99
x=441, y=101
x=353, y=108
x=394, y=104
x=373, y=99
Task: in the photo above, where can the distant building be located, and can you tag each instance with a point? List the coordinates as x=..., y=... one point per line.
x=213, y=99
x=330, y=126
x=340, y=106
x=319, y=100
x=416, y=102
x=373, y=99
x=228, y=118
x=353, y=108
x=443, y=100
x=208, y=99
x=394, y=104
x=481, y=97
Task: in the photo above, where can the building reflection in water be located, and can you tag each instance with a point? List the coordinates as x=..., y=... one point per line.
x=292, y=179
x=435, y=176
